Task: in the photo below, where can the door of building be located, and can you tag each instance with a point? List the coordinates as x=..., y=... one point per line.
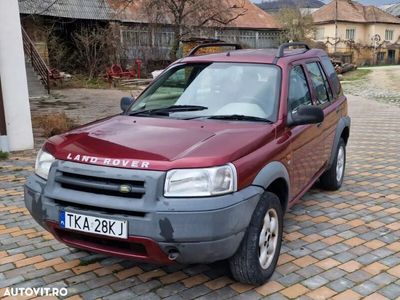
x=392, y=57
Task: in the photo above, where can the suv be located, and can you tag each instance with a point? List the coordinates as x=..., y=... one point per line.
x=202, y=165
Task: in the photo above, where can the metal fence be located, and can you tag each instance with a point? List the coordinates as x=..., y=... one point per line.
x=149, y=43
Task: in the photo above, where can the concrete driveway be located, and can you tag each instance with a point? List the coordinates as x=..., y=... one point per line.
x=340, y=245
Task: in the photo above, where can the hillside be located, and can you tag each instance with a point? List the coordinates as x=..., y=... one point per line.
x=276, y=5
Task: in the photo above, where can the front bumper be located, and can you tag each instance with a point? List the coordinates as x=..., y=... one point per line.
x=197, y=230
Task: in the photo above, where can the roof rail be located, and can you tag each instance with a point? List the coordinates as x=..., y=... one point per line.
x=206, y=45
x=281, y=50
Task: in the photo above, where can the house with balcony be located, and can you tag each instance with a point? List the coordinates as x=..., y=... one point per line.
x=352, y=32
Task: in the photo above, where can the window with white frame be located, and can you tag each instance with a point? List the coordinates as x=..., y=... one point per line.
x=164, y=38
x=320, y=34
x=389, y=35
x=350, y=34
x=136, y=37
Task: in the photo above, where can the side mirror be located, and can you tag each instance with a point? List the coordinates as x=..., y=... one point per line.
x=306, y=114
x=126, y=102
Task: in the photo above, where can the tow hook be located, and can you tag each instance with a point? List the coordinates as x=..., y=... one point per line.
x=173, y=254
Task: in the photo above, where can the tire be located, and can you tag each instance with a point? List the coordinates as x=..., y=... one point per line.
x=245, y=264
x=332, y=179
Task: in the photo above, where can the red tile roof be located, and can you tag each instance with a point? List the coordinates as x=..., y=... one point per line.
x=351, y=11
x=253, y=17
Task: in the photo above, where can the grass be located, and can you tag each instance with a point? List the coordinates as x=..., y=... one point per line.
x=3, y=155
x=54, y=124
x=356, y=74
x=379, y=66
x=81, y=81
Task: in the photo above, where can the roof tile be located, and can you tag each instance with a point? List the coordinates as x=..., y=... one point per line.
x=351, y=11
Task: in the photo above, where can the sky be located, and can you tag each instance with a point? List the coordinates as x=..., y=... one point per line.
x=374, y=2
x=371, y=2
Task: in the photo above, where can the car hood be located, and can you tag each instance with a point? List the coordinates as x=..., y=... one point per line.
x=159, y=143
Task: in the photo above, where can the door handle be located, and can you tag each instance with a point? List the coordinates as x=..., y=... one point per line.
x=319, y=124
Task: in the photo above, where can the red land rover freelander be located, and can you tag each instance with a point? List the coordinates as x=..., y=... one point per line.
x=203, y=164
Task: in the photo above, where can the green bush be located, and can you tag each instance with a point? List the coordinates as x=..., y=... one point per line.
x=3, y=155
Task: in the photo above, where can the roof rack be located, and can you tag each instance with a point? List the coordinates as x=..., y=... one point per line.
x=281, y=50
x=206, y=45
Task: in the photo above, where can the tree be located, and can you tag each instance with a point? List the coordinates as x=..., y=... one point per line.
x=187, y=15
x=93, y=47
x=298, y=27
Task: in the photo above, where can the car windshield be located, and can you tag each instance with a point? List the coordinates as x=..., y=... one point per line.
x=191, y=91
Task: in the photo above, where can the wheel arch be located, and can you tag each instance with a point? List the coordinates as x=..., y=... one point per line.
x=345, y=134
x=342, y=131
x=274, y=178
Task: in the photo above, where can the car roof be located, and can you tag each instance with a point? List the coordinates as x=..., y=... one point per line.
x=266, y=56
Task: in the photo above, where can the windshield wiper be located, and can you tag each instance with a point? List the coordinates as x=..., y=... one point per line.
x=239, y=118
x=169, y=109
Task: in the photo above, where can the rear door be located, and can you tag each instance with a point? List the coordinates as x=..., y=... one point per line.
x=323, y=97
x=337, y=107
x=305, y=139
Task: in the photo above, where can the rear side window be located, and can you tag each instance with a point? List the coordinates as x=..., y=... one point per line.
x=331, y=72
x=299, y=93
x=320, y=83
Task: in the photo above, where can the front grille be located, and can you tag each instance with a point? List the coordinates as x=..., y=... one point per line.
x=101, y=186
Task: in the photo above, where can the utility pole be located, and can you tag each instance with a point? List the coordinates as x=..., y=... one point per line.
x=336, y=25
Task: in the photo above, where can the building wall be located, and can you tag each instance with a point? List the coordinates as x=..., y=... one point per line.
x=362, y=51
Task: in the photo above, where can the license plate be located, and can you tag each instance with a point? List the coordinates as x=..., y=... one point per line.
x=89, y=224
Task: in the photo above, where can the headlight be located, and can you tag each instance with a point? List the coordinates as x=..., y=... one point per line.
x=43, y=164
x=200, y=182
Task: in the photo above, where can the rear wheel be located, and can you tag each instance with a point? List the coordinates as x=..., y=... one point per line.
x=255, y=260
x=332, y=179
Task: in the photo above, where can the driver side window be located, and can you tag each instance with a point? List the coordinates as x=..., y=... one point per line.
x=170, y=90
x=299, y=92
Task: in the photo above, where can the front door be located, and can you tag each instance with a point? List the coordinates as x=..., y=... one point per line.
x=392, y=57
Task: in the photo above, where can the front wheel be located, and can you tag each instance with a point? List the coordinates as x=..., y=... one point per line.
x=332, y=179
x=255, y=260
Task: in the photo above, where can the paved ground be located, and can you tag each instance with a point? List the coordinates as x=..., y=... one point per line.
x=382, y=85
x=82, y=105
x=341, y=245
